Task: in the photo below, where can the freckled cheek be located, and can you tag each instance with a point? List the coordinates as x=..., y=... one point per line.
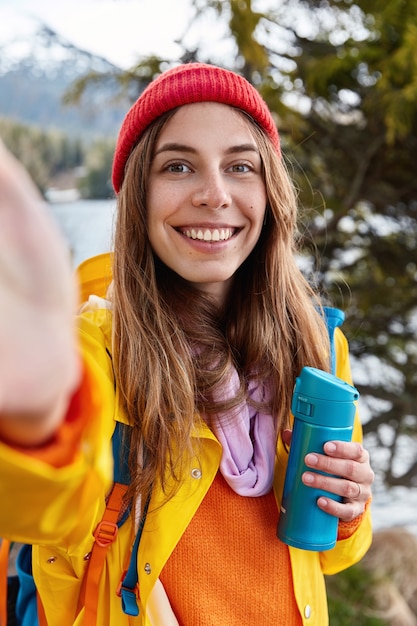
x=163, y=204
x=157, y=212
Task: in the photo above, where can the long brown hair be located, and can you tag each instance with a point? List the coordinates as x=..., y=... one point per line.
x=173, y=347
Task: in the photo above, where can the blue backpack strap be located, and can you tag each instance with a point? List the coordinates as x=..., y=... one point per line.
x=128, y=587
x=26, y=603
x=333, y=318
x=121, y=473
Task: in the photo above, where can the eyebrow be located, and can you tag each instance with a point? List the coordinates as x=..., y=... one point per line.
x=179, y=147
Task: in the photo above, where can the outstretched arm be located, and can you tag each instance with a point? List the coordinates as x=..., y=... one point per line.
x=39, y=367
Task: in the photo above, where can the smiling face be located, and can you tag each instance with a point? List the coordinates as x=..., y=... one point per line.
x=206, y=197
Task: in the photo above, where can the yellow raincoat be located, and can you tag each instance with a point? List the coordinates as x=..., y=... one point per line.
x=58, y=508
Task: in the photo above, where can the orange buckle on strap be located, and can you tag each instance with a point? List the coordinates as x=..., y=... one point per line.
x=121, y=586
x=105, y=533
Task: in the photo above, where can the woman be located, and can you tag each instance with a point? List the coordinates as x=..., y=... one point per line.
x=195, y=348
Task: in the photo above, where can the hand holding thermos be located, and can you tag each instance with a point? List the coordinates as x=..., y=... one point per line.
x=324, y=409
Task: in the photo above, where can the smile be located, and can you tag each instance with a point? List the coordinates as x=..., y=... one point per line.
x=206, y=234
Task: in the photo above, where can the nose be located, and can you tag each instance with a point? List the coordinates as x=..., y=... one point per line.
x=211, y=192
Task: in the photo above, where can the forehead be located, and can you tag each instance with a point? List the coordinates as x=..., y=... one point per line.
x=205, y=117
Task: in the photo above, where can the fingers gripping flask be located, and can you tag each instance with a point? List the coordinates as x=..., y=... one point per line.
x=324, y=409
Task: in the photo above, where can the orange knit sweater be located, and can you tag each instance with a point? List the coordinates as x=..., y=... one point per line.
x=229, y=568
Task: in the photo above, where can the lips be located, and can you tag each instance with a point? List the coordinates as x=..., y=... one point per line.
x=209, y=234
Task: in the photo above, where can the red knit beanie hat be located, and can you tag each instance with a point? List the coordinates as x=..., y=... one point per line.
x=186, y=84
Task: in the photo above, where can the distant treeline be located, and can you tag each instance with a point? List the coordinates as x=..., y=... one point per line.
x=54, y=159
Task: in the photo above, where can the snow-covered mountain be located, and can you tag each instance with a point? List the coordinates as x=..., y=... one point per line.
x=37, y=66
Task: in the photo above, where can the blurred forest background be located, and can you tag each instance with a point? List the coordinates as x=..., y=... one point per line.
x=341, y=79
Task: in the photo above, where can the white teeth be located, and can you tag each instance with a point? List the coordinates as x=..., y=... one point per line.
x=218, y=234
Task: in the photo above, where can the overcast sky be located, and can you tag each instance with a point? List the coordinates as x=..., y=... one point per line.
x=119, y=30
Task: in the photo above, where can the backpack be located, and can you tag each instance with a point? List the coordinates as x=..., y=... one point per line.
x=19, y=601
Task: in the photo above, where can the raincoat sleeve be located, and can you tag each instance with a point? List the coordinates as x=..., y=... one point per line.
x=54, y=493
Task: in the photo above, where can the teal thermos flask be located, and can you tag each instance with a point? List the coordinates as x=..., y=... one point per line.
x=324, y=408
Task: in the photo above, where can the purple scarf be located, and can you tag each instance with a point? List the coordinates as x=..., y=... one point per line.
x=248, y=440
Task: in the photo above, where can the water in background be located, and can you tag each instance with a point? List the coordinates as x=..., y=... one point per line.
x=88, y=225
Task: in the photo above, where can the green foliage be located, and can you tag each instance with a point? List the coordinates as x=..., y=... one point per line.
x=48, y=154
x=243, y=25
x=130, y=83
x=43, y=153
x=96, y=182
x=349, y=599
